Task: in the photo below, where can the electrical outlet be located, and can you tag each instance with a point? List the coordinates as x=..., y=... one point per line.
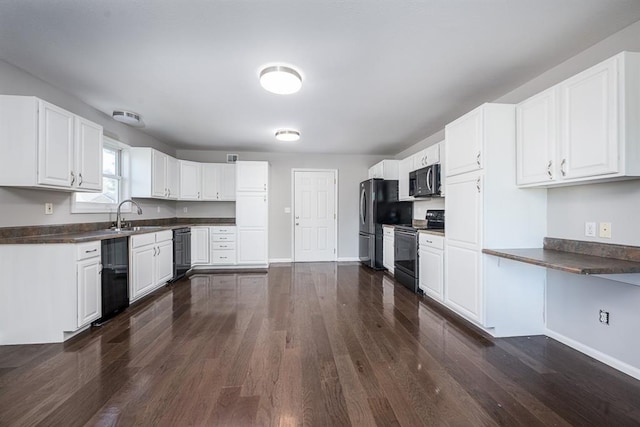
x=48, y=208
x=605, y=230
x=590, y=229
x=604, y=317
x=184, y=210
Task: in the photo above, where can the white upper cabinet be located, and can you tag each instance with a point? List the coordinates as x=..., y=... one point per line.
x=464, y=143
x=218, y=181
x=153, y=174
x=386, y=169
x=88, y=149
x=252, y=176
x=583, y=129
x=536, y=136
x=46, y=146
x=427, y=157
x=190, y=180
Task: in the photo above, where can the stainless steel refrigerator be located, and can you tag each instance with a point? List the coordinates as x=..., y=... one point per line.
x=379, y=205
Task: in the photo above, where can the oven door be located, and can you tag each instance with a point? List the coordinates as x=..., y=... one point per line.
x=406, y=252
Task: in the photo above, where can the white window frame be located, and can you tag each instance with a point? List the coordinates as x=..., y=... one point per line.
x=125, y=183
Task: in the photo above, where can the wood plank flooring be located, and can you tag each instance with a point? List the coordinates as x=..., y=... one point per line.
x=318, y=344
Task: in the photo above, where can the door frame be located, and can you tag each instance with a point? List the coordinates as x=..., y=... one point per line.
x=293, y=207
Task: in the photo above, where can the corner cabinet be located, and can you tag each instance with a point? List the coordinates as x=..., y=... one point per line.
x=46, y=146
x=252, y=213
x=153, y=174
x=476, y=287
x=584, y=129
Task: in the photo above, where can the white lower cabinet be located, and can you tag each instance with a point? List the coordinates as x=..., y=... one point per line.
x=48, y=291
x=151, y=262
x=431, y=265
x=252, y=246
x=387, y=248
x=199, y=246
x=223, y=245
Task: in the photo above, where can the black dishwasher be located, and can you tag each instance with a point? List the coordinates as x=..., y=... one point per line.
x=181, y=252
x=115, y=277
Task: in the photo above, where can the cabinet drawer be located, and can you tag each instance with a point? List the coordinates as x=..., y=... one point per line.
x=223, y=230
x=223, y=245
x=88, y=250
x=223, y=257
x=143, y=240
x=223, y=237
x=163, y=236
x=387, y=231
x=431, y=241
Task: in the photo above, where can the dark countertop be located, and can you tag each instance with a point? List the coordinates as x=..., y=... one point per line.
x=574, y=256
x=103, y=234
x=433, y=232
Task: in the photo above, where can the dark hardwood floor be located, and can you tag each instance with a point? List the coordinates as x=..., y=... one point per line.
x=306, y=344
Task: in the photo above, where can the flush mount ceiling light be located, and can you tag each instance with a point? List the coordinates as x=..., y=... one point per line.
x=280, y=79
x=287, y=135
x=127, y=117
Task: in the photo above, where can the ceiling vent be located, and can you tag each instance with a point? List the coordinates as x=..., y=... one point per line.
x=128, y=117
x=232, y=158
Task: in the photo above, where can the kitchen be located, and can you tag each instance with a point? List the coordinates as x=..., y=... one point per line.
x=568, y=207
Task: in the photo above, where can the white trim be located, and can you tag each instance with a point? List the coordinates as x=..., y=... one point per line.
x=596, y=354
x=348, y=259
x=279, y=260
x=293, y=203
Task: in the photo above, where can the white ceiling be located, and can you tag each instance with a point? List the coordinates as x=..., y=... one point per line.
x=379, y=76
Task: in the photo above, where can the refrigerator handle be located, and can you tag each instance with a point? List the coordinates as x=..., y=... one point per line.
x=363, y=207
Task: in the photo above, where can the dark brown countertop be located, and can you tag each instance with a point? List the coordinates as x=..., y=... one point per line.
x=433, y=232
x=76, y=234
x=574, y=256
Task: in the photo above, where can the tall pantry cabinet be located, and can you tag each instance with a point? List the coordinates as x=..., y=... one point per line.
x=485, y=209
x=252, y=213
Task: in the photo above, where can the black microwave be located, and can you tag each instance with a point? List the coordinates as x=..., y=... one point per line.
x=425, y=182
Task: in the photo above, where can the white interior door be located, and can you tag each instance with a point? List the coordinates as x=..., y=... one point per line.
x=315, y=215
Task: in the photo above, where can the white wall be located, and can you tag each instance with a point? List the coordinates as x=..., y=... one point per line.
x=352, y=169
x=573, y=301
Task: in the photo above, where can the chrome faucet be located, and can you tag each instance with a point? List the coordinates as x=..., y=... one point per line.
x=119, y=217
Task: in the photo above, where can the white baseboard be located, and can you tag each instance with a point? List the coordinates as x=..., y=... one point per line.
x=596, y=354
x=348, y=259
x=278, y=260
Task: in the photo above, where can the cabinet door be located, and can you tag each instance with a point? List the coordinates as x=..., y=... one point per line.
x=164, y=262
x=55, y=146
x=536, y=134
x=199, y=245
x=227, y=183
x=431, y=273
x=158, y=174
x=463, y=205
x=89, y=291
x=405, y=166
x=172, y=178
x=190, y=180
x=589, y=122
x=88, y=151
x=142, y=268
x=211, y=174
x=464, y=281
x=432, y=155
x=252, y=210
x=464, y=143
x=387, y=252
x=252, y=176
x=252, y=246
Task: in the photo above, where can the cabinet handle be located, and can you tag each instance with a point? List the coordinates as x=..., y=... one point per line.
x=265, y=186
x=217, y=195
x=73, y=178
x=169, y=191
x=478, y=184
x=549, y=170
x=158, y=250
x=154, y=252
x=92, y=250
x=478, y=159
x=562, y=171
x=198, y=194
x=79, y=179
